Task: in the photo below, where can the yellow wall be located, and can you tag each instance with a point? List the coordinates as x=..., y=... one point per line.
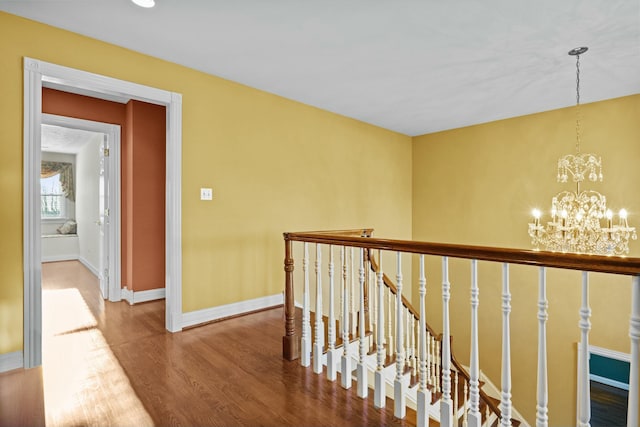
x=477, y=185
x=274, y=165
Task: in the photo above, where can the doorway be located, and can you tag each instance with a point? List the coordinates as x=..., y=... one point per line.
x=94, y=148
x=39, y=74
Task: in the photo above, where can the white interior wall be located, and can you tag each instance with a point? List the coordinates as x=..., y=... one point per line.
x=87, y=201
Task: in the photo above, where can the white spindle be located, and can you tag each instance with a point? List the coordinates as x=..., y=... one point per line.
x=424, y=395
x=542, y=419
x=414, y=348
x=345, y=368
x=434, y=361
x=634, y=372
x=305, y=357
x=465, y=404
x=363, y=386
x=399, y=398
x=332, y=352
x=584, y=399
x=505, y=401
x=455, y=398
x=389, y=325
x=373, y=300
x=428, y=339
x=446, y=409
x=318, y=342
x=407, y=341
x=354, y=314
x=438, y=364
x=475, y=418
x=380, y=391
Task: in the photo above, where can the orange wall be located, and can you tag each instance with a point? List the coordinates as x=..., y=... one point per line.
x=143, y=179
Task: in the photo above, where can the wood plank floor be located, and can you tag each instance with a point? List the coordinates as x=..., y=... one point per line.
x=114, y=364
x=608, y=405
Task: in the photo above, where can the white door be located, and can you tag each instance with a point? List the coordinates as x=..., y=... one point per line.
x=103, y=217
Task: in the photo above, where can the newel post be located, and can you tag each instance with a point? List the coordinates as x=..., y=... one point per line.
x=290, y=340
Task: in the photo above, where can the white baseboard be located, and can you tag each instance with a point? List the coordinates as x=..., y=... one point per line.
x=135, y=297
x=89, y=266
x=62, y=257
x=214, y=313
x=11, y=361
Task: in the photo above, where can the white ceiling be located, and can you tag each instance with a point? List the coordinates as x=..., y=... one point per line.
x=57, y=139
x=411, y=66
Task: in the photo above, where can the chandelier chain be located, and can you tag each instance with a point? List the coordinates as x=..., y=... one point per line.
x=578, y=104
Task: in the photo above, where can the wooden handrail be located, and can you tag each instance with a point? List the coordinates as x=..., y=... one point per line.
x=597, y=263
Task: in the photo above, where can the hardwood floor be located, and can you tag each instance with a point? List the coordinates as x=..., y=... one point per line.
x=608, y=405
x=114, y=364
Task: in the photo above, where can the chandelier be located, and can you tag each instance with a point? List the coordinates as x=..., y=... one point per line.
x=580, y=221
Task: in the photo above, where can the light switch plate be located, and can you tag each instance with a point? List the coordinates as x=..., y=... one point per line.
x=206, y=194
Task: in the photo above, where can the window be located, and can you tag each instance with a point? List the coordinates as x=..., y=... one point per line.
x=53, y=204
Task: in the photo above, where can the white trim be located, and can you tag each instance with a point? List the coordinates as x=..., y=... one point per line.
x=57, y=258
x=609, y=381
x=135, y=297
x=11, y=361
x=611, y=354
x=209, y=314
x=36, y=73
x=90, y=267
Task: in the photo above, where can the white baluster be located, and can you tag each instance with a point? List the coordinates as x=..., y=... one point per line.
x=345, y=369
x=542, y=419
x=446, y=409
x=390, y=342
x=434, y=360
x=486, y=415
x=414, y=350
x=475, y=418
x=318, y=343
x=399, y=397
x=332, y=352
x=373, y=298
x=455, y=398
x=505, y=401
x=428, y=339
x=465, y=419
x=380, y=391
x=438, y=356
x=407, y=341
x=363, y=386
x=424, y=395
x=584, y=399
x=354, y=314
x=634, y=372
x=305, y=357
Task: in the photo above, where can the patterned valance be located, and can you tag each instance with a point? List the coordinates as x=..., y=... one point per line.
x=49, y=168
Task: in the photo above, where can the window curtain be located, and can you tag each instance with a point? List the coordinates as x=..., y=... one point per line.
x=49, y=169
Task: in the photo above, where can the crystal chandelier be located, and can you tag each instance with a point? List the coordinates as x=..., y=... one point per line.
x=580, y=221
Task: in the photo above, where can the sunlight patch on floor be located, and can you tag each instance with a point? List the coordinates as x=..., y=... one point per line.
x=84, y=383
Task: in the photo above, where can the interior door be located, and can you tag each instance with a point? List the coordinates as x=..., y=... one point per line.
x=103, y=217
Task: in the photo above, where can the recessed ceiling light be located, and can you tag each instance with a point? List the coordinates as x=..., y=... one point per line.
x=144, y=3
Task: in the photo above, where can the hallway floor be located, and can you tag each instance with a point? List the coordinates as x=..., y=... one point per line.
x=114, y=364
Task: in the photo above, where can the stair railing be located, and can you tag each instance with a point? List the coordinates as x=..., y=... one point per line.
x=367, y=245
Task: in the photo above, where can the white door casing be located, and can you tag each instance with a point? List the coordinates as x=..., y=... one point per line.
x=36, y=75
